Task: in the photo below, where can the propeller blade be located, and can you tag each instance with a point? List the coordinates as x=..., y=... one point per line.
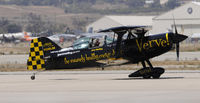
x=177, y=51
x=177, y=44
x=176, y=32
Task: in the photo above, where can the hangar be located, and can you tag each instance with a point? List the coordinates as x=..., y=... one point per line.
x=113, y=21
x=187, y=19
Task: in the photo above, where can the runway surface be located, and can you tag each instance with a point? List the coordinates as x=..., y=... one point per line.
x=99, y=87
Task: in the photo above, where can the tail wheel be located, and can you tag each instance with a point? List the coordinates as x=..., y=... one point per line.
x=33, y=77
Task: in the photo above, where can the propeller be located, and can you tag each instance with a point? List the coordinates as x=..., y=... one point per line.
x=177, y=43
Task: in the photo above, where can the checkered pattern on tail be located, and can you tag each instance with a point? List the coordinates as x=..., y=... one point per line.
x=36, y=56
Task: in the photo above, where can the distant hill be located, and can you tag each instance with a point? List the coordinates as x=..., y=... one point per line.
x=98, y=6
x=18, y=14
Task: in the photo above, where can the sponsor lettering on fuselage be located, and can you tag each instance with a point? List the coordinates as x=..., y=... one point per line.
x=83, y=58
x=152, y=43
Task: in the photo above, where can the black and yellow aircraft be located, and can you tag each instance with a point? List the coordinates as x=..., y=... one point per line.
x=136, y=47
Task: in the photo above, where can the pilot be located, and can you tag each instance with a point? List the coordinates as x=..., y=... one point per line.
x=97, y=43
x=91, y=43
x=105, y=43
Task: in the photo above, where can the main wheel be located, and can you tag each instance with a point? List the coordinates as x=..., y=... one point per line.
x=102, y=68
x=146, y=76
x=158, y=71
x=32, y=77
x=156, y=76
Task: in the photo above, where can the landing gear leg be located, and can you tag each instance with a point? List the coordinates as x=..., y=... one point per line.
x=149, y=63
x=155, y=72
x=146, y=76
x=102, y=66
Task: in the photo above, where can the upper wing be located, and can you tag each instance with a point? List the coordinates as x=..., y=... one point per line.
x=123, y=28
x=138, y=30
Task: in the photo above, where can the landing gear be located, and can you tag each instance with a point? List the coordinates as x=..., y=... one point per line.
x=33, y=76
x=148, y=72
x=157, y=76
x=102, y=67
x=146, y=76
x=158, y=71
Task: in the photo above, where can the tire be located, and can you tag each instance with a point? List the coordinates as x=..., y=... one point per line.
x=146, y=76
x=156, y=76
x=32, y=77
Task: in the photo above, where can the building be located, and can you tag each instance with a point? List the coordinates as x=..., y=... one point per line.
x=114, y=21
x=162, y=2
x=149, y=1
x=187, y=20
x=187, y=1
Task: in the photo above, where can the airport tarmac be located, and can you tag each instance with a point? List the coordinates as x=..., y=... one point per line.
x=99, y=87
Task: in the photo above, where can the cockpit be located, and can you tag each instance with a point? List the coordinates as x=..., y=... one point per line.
x=92, y=42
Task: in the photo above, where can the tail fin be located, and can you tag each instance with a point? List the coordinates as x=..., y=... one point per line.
x=40, y=48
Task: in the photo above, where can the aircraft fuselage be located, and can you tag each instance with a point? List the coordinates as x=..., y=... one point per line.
x=135, y=50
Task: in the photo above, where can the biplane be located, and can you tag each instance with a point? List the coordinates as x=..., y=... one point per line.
x=129, y=42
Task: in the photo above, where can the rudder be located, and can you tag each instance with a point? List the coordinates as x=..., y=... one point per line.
x=36, y=55
x=39, y=49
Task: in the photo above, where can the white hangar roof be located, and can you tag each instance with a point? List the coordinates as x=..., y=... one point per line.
x=113, y=21
x=187, y=11
x=187, y=19
x=132, y=20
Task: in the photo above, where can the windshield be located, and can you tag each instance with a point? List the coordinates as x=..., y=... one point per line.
x=81, y=40
x=84, y=42
x=82, y=45
x=109, y=40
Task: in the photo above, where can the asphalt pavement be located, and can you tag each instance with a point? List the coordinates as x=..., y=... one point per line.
x=99, y=87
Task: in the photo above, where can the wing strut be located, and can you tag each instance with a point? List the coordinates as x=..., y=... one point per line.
x=119, y=40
